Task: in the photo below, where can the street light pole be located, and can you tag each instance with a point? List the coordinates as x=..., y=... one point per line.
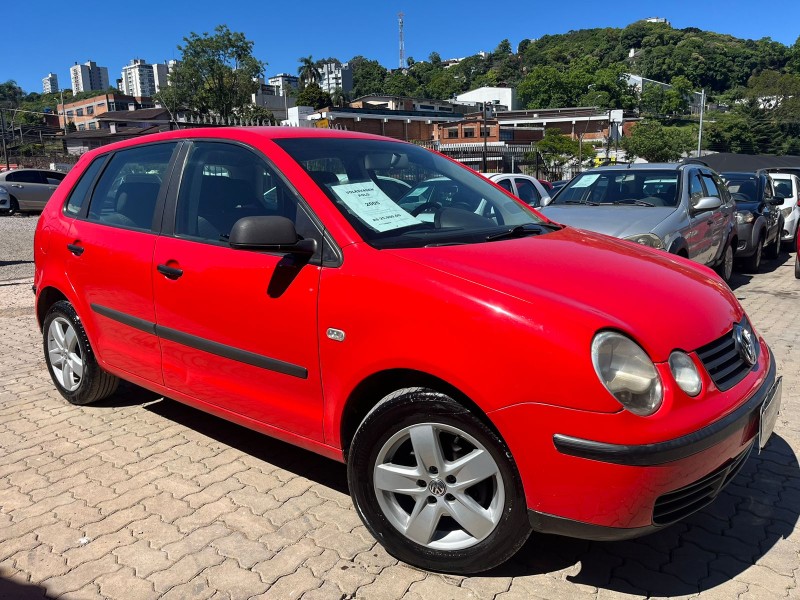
x=3, y=133
x=700, y=133
x=484, y=169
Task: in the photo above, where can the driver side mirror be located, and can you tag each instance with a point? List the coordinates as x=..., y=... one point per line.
x=777, y=200
x=270, y=234
x=705, y=204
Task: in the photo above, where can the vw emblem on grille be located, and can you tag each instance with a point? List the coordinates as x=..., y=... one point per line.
x=437, y=487
x=745, y=344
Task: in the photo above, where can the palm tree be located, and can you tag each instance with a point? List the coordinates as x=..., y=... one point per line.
x=337, y=96
x=308, y=71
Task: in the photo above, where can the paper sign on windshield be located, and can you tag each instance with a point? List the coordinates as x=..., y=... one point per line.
x=585, y=181
x=372, y=206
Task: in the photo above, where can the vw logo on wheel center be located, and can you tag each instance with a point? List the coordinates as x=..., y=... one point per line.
x=437, y=487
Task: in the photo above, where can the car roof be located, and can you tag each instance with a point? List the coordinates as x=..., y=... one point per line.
x=641, y=167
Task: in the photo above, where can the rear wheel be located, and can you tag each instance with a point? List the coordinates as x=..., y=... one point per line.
x=435, y=485
x=70, y=359
x=797, y=265
x=725, y=268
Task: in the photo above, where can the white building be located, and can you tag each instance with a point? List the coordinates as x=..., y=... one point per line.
x=336, y=75
x=50, y=84
x=138, y=79
x=284, y=82
x=87, y=77
x=269, y=97
x=501, y=97
x=161, y=73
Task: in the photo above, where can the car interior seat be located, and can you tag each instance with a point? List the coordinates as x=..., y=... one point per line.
x=135, y=204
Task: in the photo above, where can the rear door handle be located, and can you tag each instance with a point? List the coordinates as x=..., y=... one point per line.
x=169, y=272
x=16, y=185
x=76, y=249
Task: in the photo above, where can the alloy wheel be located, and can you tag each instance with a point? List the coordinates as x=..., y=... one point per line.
x=65, y=354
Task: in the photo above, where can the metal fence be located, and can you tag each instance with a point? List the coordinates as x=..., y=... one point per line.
x=35, y=146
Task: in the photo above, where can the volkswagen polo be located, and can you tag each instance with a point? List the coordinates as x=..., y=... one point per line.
x=483, y=371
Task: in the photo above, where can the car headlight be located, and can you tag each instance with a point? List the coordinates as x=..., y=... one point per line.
x=647, y=239
x=744, y=216
x=627, y=372
x=685, y=373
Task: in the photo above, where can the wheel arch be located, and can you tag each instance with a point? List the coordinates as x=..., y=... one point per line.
x=680, y=247
x=377, y=386
x=47, y=297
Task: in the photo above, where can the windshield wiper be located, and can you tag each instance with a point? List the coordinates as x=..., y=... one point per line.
x=522, y=231
x=587, y=202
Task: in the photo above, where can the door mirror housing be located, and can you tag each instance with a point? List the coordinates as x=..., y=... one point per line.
x=777, y=200
x=270, y=234
x=705, y=204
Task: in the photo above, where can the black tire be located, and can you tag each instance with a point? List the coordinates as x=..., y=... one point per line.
x=773, y=251
x=451, y=425
x=94, y=383
x=725, y=268
x=14, y=208
x=753, y=262
x=797, y=265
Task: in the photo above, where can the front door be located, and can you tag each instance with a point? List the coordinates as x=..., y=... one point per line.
x=698, y=234
x=238, y=328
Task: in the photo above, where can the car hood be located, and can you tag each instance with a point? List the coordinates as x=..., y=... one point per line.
x=615, y=220
x=662, y=300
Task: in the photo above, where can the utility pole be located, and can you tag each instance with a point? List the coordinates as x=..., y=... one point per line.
x=3, y=128
x=700, y=133
x=484, y=168
x=402, y=44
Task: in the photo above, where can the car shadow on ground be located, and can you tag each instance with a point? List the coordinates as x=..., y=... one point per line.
x=760, y=507
x=9, y=263
x=21, y=591
x=739, y=278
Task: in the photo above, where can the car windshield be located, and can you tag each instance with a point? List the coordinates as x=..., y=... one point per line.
x=615, y=187
x=400, y=195
x=745, y=187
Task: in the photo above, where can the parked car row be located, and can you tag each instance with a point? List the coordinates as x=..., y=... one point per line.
x=484, y=372
x=686, y=209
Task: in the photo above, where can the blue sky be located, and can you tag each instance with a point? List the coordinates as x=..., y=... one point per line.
x=111, y=34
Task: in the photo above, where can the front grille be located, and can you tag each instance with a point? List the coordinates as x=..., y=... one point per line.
x=676, y=505
x=722, y=360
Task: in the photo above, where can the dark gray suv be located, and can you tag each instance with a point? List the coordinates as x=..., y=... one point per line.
x=682, y=208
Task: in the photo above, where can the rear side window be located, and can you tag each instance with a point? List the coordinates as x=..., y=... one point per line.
x=126, y=194
x=527, y=192
x=25, y=177
x=53, y=178
x=80, y=192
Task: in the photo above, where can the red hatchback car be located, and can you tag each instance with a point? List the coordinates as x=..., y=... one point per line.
x=482, y=371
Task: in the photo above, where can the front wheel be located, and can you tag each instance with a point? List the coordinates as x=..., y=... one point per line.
x=797, y=265
x=753, y=263
x=14, y=208
x=70, y=359
x=774, y=249
x=435, y=485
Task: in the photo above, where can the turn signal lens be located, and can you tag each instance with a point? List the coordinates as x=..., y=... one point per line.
x=685, y=373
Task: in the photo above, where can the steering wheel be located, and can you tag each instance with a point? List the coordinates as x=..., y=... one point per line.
x=425, y=206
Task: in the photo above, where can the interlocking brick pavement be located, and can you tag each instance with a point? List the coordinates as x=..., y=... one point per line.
x=140, y=497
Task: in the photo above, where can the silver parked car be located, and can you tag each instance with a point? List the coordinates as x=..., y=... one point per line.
x=682, y=208
x=29, y=189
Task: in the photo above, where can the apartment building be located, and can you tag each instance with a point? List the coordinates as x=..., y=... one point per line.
x=336, y=75
x=50, y=84
x=284, y=82
x=87, y=77
x=138, y=78
x=161, y=73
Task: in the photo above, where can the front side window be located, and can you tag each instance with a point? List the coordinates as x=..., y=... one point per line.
x=711, y=186
x=126, y=194
x=696, y=190
x=223, y=183
x=401, y=195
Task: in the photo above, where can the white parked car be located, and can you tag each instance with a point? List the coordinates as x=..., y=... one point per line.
x=788, y=186
x=526, y=188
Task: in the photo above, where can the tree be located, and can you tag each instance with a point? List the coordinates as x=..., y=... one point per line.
x=559, y=149
x=308, y=71
x=257, y=114
x=217, y=74
x=368, y=76
x=11, y=94
x=313, y=96
x=654, y=142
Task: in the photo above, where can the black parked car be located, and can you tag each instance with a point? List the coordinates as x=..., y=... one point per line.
x=759, y=221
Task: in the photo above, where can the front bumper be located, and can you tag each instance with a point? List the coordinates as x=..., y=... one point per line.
x=746, y=244
x=601, y=491
x=790, y=225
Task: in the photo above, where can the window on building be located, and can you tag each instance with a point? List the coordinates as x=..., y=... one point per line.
x=486, y=131
x=79, y=112
x=506, y=135
x=427, y=107
x=445, y=109
x=70, y=113
x=469, y=132
x=101, y=105
x=90, y=110
x=93, y=125
x=452, y=133
x=81, y=127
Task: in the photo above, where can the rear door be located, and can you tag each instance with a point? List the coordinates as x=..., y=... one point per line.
x=110, y=267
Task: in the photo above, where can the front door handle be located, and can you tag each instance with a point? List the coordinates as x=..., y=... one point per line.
x=76, y=249
x=169, y=272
